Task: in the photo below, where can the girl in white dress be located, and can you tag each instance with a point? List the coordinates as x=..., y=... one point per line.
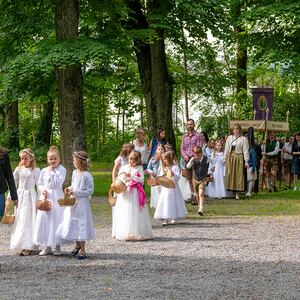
x=170, y=204
x=131, y=220
x=122, y=159
x=26, y=177
x=154, y=169
x=216, y=188
x=50, y=183
x=77, y=224
x=141, y=146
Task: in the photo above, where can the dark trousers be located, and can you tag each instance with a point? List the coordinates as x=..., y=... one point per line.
x=2, y=204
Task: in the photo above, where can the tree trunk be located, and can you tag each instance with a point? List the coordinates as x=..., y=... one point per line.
x=155, y=80
x=45, y=129
x=241, y=53
x=186, y=99
x=70, y=87
x=12, y=125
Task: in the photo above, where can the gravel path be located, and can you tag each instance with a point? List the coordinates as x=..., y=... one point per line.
x=232, y=258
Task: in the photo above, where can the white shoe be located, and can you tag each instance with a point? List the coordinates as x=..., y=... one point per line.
x=57, y=251
x=46, y=251
x=248, y=194
x=173, y=221
x=295, y=188
x=200, y=212
x=165, y=223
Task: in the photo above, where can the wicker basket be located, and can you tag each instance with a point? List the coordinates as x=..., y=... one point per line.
x=68, y=200
x=166, y=182
x=152, y=181
x=111, y=199
x=7, y=218
x=183, y=172
x=118, y=186
x=44, y=205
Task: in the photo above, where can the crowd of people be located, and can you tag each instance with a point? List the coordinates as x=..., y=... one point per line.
x=218, y=168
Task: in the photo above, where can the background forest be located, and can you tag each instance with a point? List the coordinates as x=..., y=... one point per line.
x=85, y=74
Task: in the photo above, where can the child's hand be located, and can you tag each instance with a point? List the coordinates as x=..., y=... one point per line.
x=172, y=174
x=44, y=192
x=8, y=199
x=128, y=174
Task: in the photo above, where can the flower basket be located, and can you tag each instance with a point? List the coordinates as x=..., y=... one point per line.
x=7, y=218
x=111, y=199
x=44, y=204
x=68, y=200
x=165, y=181
x=118, y=186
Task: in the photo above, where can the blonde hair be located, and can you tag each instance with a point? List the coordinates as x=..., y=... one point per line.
x=53, y=149
x=136, y=155
x=29, y=152
x=82, y=159
x=168, y=156
x=155, y=156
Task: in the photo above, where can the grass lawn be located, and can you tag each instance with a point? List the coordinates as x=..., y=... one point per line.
x=281, y=203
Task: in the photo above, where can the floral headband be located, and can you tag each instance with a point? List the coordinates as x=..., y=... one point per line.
x=84, y=158
x=27, y=152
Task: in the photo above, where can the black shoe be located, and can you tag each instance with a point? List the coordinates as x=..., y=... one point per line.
x=287, y=188
x=274, y=188
x=270, y=190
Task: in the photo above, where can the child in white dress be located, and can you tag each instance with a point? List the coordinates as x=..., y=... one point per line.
x=154, y=169
x=50, y=183
x=131, y=220
x=77, y=225
x=216, y=188
x=171, y=205
x=122, y=159
x=26, y=177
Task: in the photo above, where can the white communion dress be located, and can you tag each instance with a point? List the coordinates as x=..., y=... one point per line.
x=131, y=221
x=216, y=188
x=77, y=224
x=48, y=221
x=154, y=168
x=22, y=235
x=171, y=203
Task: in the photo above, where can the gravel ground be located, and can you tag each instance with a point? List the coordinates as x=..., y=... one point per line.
x=231, y=258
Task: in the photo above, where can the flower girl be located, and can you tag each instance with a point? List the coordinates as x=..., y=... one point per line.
x=170, y=204
x=154, y=169
x=26, y=177
x=131, y=220
x=50, y=183
x=216, y=188
x=77, y=224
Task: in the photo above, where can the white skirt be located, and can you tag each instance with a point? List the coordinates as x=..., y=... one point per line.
x=77, y=224
x=170, y=204
x=46, y=225
x=184, y=187
x=130, y=221
x=155, y=191
x=23, y=229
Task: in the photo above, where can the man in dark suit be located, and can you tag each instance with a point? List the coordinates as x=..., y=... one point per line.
x=6, y=180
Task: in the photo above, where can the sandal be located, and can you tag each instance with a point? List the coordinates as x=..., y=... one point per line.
x=75, y=251
x=25, y=252
x=82, y=256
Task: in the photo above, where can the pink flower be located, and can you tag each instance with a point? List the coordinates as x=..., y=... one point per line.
x=137, y=174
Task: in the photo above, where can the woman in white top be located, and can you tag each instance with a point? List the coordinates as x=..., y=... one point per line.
x=141, y=146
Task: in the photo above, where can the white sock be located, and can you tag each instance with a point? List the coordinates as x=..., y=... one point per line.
x=250, y=186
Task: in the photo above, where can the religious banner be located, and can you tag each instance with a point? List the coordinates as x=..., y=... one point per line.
x=262, y=99
x=261, y=125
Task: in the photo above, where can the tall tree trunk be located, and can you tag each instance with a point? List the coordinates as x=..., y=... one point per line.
x=241, y=52
x=70, y=87
x=155, y=79
x=186, y=99
x=12, y=125
x=45, y=129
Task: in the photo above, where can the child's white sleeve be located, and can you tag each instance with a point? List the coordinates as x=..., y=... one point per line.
x=190, y=164
x=176, y=172
x=16, y=175
x=57, y=178
x=86, y=189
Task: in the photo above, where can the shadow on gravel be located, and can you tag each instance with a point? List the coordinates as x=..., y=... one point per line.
x=200, y=224
x=140, y=276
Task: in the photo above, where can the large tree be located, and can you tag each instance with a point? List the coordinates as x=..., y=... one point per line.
x=70, y=86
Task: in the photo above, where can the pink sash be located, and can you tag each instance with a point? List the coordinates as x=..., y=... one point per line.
x=141, y=192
